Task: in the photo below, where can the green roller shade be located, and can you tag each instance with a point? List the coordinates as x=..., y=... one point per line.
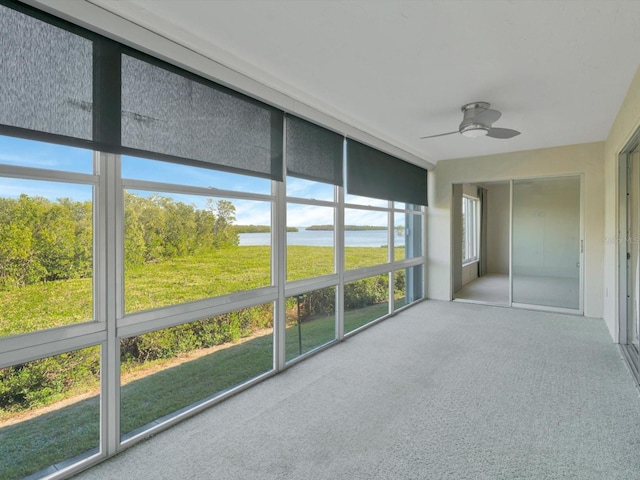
x=372, y=173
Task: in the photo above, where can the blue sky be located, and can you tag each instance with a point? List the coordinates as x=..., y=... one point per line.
x=19, y=152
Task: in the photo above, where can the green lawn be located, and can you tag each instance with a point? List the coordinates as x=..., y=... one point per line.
x=153, y=285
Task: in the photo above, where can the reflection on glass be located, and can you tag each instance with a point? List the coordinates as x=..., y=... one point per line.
x=365, y=300
x=366, y=238
x=46, y=255
x=407, y=236
x=546, y=242
x=311, y=321
x=49, y=412
x=29, y=153
x=365, y=201
x=633, y=250
x=167, y=370
x=300, y=188
x=407, y=206
x=166, y=172
x=310, y=241
x=180, y=248
x=407, y=286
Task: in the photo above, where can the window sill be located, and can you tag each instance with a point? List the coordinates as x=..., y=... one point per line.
x=469, y=261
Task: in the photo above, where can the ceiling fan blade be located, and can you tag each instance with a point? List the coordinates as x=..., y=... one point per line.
x=502, y=133
x=440, y=135
x=486, y=116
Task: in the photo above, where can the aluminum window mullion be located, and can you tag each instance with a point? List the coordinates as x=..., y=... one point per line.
x=110, y=226
x=365, y=207
x=185, y=189
x=340, y=262
x=31, y=173
x=279, y=261
x=311, y=201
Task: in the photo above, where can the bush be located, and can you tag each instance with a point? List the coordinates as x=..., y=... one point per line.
x=208, y=332
x=44, y=381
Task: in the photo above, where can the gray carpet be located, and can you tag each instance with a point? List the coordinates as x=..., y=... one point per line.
x=442, y=391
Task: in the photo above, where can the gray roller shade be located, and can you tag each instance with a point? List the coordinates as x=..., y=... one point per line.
x=46, y=78
x=172, y=114
x=372, y=173
x=313, y=152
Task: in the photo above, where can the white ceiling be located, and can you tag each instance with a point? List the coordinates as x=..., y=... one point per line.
x=558, y=70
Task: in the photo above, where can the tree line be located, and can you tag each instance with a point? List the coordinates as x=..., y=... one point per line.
x=43, y=240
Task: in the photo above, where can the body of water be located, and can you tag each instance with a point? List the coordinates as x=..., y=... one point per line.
x=323, y=238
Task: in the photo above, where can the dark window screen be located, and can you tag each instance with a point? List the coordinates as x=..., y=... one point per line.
x=313, y=152
x=46, y=77
x=173, y=115
x=372, y=173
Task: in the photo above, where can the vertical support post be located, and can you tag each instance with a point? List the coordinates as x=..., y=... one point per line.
x=279, y=261
x=109, y=240
x=339, y=251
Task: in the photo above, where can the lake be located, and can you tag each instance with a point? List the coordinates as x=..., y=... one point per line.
x=324, y=238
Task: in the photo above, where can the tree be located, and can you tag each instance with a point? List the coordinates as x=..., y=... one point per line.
x=224, y=213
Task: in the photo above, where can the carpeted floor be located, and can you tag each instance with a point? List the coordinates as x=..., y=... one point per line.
x=442, y=391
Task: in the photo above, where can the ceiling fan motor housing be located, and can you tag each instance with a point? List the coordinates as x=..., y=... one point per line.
x=470, y=126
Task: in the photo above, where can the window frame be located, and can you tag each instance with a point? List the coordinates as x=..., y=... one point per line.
x=470, y=229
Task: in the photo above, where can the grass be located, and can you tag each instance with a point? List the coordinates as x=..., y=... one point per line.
x=55, y=436
x=153, y=285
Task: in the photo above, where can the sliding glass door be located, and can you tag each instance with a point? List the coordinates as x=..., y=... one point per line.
x=546, y=256
x=630, y=256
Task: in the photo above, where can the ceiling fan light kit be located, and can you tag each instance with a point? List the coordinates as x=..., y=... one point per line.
x=474, y=131
x=477, y=120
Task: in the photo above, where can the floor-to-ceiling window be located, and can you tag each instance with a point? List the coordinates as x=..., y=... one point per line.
x=165, y=241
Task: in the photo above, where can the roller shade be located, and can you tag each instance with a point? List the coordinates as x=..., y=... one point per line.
x=46, y=79
x=372, y=173
x=313, y=152
x=167, y=113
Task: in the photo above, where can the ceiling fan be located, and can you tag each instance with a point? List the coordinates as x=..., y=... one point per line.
x=477, y=120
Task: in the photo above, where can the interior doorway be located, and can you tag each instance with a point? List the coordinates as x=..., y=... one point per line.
x=630, y=254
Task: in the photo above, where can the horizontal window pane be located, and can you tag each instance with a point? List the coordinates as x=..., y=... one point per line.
x=167, y=370
x=167, y=172
x=407, y=286
x=46, y=255
x=310, y=241
x=366, y=238
x=365, y=300
x=29, y=153
x=300, y=188
x=311, y=321
x=180, y=248
x=49, y=412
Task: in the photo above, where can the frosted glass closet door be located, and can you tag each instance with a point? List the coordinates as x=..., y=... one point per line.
x=546, y=242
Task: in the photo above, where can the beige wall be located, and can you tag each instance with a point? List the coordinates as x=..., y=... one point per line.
x=498, y=198
x=626, y=123
x=586, y=159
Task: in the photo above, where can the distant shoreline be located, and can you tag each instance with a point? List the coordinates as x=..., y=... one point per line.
x=351, y=228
